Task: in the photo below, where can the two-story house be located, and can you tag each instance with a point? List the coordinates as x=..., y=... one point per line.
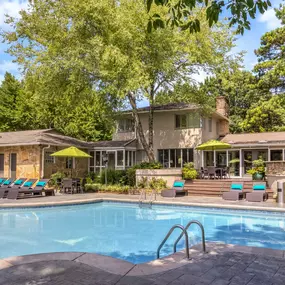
x=178, y=129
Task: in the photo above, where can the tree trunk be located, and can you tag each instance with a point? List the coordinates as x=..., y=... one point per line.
x=150, y=120
x=139, y=128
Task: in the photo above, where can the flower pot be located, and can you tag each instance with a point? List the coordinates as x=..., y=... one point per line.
x=258, y=176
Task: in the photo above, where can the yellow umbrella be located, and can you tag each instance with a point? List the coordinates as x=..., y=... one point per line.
x=213, y=145
x=71, y=152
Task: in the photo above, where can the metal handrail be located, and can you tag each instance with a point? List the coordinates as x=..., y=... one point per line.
x=184, y=232
x=186, y=228
x=143, y=193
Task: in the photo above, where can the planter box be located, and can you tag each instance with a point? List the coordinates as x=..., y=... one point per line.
x=169, y=175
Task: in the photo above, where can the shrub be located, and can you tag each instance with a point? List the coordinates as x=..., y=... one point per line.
x=114, y=177
x=142, y=183
x=54, y=177
x=157, y=183
x=188, y=171
x=116, y=188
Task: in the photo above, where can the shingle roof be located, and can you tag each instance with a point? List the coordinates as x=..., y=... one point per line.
x=255, y=138
x=111, y=144
x=170, y=106
x=39, y=137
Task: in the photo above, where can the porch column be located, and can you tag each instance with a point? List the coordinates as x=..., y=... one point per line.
x=227, y=157
x=124, y=159
x=283, y=151
x=214, y=157
x=241, y=162
x=268, y=154
x=203, y=159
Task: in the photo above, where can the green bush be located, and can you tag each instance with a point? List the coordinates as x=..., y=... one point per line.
x=114, y=177
x=188, y=171
x=142, y=183
x=157, y=183
x=54, y=177
x=116, y=188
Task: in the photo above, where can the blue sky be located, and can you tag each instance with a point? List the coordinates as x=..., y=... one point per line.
x=248, y=42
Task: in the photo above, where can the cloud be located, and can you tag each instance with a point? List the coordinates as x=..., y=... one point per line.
x=12, y=8
x=270, y=20
x=8, y=66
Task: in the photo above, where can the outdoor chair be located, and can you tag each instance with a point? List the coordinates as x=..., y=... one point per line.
x=226, y=173
x=177, y=189
x=258, y=193
x=27, y=190
x=7, y=183
x=67, y=185
x=17, y=184
x=2, y=180
x=211, y=172
x=235, y=193
x=204, y=173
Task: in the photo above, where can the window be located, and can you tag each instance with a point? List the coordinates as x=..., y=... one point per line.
x=204, y=123
x=2, y=164
x=48, y=157
x=92, y=161
x=125, y=125
x=120, y=158
x=191, y=120
x=276, y=155
x=217, y=128
x=69, y=163
x=210, y=125
x=175, y=157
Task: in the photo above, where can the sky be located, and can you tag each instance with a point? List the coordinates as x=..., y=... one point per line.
x=248, y=42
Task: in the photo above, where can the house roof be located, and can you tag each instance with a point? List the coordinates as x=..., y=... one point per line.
x=112, y=144
x=173, y=107
x=255, y=138
x=39, y=137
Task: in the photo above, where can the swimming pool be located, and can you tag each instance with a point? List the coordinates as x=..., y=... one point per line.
x=126, y=231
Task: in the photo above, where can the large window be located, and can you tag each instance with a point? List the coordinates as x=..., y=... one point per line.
x=175, y=157
x=125, y=125
x=191, y=120
x=276, y=155
x=48, y=157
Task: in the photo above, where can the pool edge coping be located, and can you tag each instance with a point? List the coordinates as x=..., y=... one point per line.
x=113, y=199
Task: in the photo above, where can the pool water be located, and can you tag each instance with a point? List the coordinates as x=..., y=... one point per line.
x=129, y=232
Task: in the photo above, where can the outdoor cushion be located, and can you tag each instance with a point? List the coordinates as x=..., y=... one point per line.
x=259, y=187
x=178, y=184
x=236, y=187
x=18, y=182
x=41, y=184
x=7, y=182
x=1, y=180
x=28, y=184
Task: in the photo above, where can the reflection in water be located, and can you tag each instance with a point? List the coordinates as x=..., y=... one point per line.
x=128, y=232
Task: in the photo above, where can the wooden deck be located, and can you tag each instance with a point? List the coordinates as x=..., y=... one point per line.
x=215, y=187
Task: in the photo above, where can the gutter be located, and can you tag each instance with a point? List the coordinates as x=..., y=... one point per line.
x=43, y=160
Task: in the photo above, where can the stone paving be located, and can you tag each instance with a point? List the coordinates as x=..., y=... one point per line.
x=220, y=266
x=59, y=199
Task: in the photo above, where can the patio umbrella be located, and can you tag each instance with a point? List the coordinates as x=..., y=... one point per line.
x=71, y=152
x=213, y=145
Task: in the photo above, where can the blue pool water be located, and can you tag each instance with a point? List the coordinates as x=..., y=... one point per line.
x=128, y=232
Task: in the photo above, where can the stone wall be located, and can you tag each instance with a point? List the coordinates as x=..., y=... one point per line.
x=169, y=175
x=28, y=160
x=275, y=167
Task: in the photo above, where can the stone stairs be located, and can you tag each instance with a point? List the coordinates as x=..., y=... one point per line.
x=215, y=187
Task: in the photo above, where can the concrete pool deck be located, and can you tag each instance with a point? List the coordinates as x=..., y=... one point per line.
x=213, y=202
x=221, y=265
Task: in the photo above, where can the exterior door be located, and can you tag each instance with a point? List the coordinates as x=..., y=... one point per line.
x=247, y=161
x=13, y=165
x=111, y=160
x=1, y=165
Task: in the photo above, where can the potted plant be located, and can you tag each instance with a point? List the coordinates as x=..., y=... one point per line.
x=258, y=169
x=189, y=172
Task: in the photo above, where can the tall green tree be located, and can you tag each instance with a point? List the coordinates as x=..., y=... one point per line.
x=71, y=47
x=271, y=57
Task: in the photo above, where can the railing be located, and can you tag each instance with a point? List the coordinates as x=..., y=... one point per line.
x=184, y=232
x=186, y=228
x=143, y=197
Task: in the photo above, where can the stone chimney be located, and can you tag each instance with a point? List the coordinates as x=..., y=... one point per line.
x=222, y=106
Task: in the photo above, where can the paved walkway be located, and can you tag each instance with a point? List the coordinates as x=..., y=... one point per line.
x=222, y=265
x=59, y=199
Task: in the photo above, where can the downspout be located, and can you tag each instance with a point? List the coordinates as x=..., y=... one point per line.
x=43, y=160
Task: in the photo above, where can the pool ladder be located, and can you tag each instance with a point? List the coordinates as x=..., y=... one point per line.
x=183, y=233
x=143, y=197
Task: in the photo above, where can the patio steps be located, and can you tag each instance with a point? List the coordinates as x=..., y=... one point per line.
x=214, y=188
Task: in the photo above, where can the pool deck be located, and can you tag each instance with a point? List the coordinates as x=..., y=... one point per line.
x=221, y=265
x=213, y=202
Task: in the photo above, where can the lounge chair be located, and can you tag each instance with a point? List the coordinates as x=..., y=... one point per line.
x=211, y=172
x=177, y=188
x=11, y=186
x=235, y=192
x=7, y=183
x=258, y=193
x=31, y=191
x=2, y=180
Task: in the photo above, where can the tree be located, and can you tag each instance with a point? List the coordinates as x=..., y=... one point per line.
x=182, y=13
x=271, y=57
x=72, y=48
x=266, y=116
